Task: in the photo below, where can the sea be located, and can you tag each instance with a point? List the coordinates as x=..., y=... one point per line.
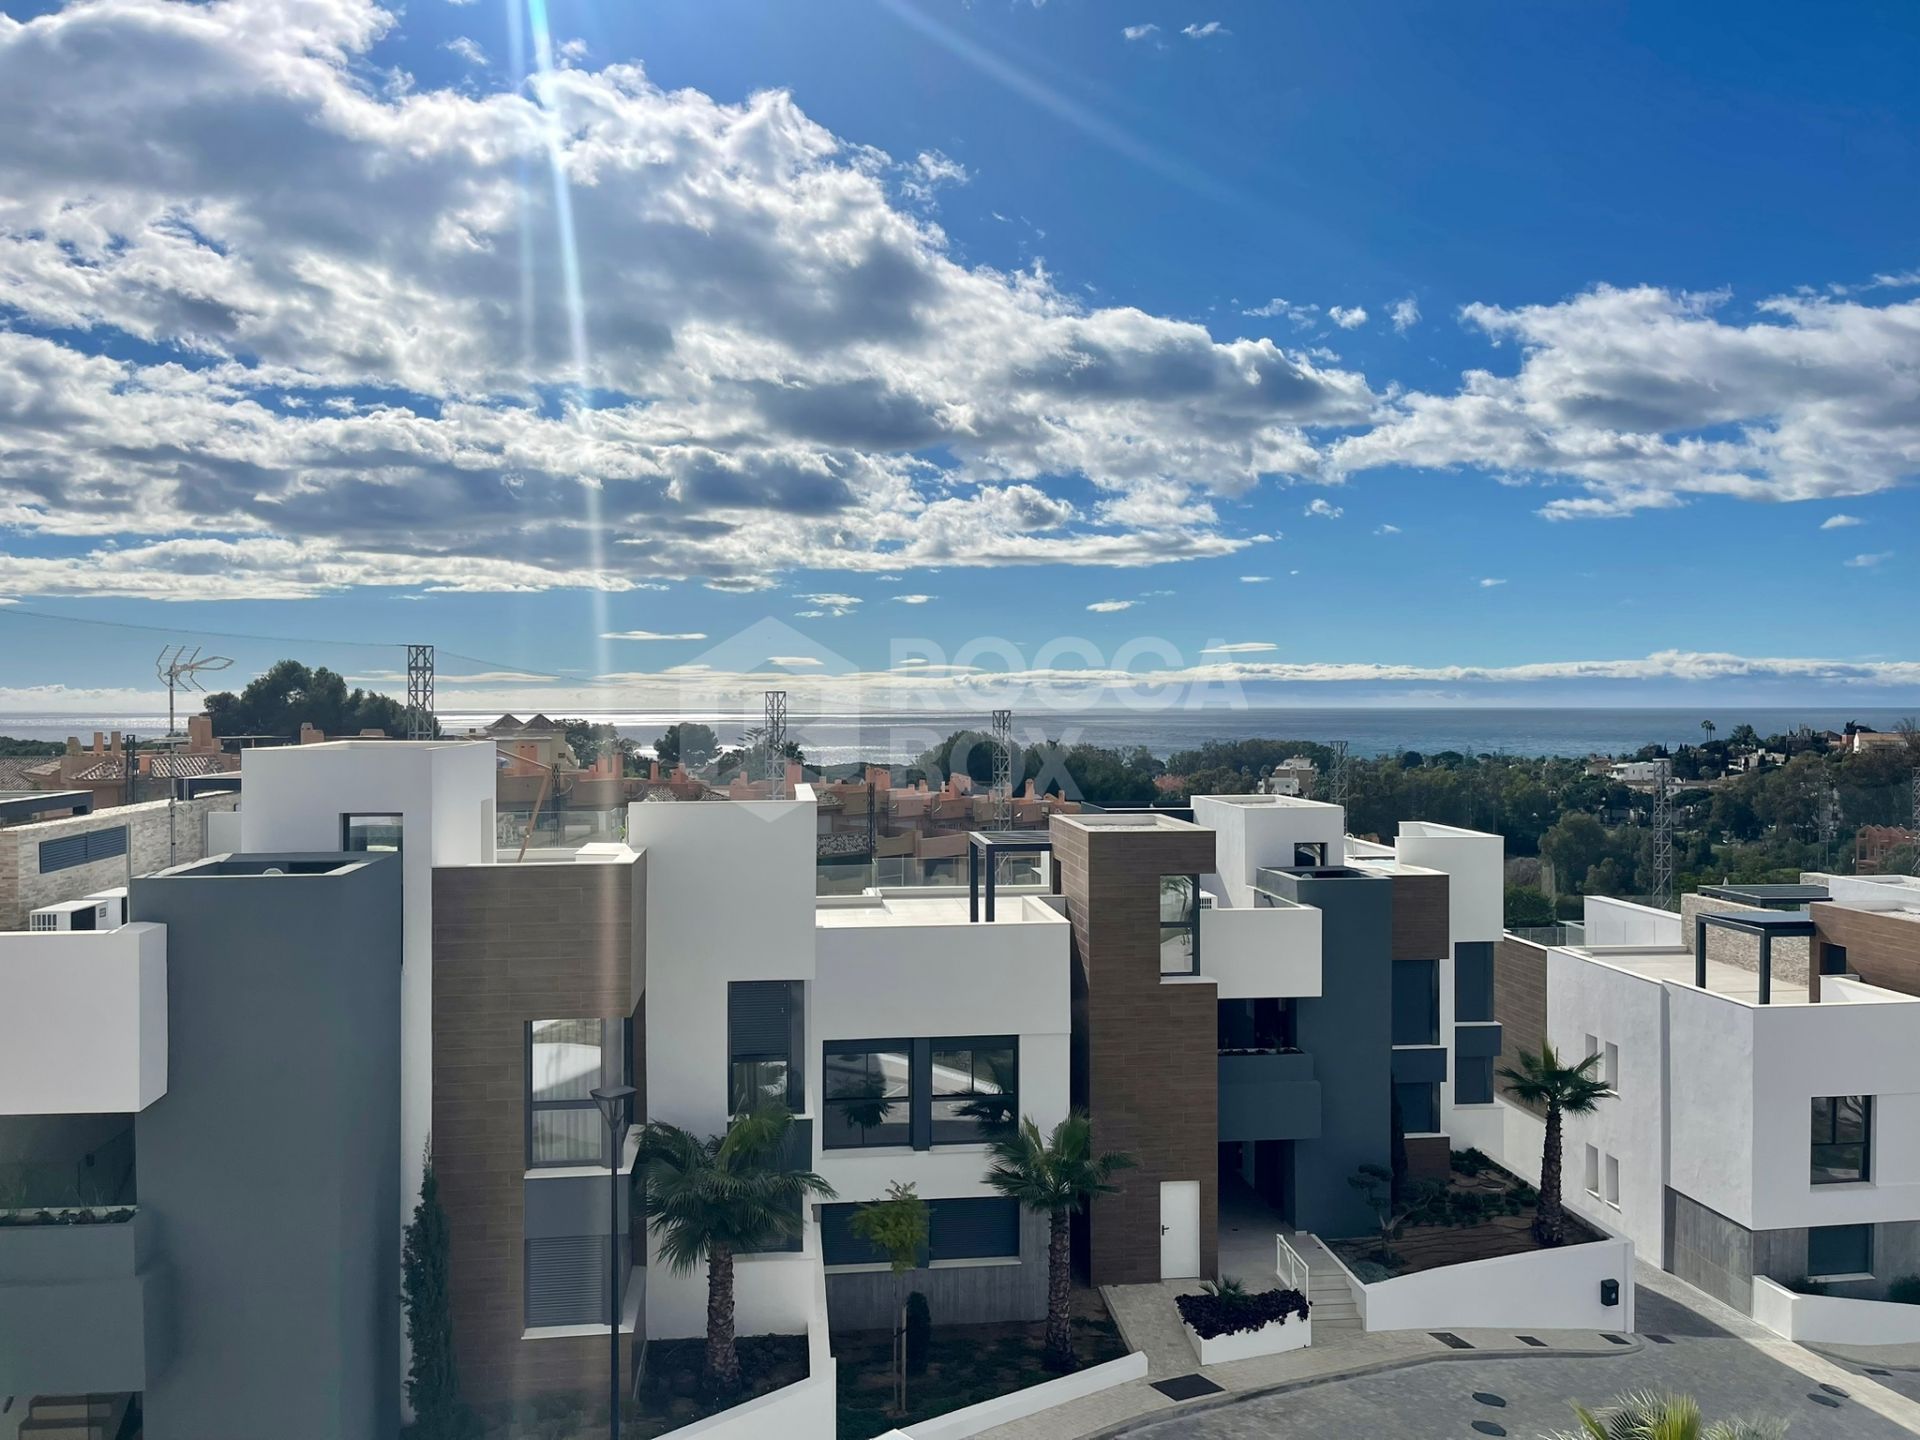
x=900, y=737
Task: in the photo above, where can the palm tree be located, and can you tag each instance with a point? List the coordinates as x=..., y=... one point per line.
x=711, y=1199
x=1055, y=1177
x=1564, y=1089
x=1707, y=728
x=1647, y=1416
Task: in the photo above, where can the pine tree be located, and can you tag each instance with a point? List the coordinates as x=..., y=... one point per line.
x=432, y=1386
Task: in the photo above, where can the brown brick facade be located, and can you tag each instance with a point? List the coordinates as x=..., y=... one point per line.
x=1422, y=928
x=1519, y=1003
x=514, y=943
x=1882, y=949
x=1149, y=1050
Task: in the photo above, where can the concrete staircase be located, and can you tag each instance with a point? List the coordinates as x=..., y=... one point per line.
x=1333, y=1303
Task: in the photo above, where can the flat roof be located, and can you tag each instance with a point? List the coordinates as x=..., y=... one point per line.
x=1128, y=820
x=1675, y=963
x=1770, y=897
x=867, y=911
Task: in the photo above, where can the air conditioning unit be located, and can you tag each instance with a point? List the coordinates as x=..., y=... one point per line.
x=116, y=902
x=71, y=915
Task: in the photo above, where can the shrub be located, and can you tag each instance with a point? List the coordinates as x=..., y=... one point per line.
x=1471, y=1162
x=1370, y=1272
x=1905, y=1290
x=919, y=1333
x=1804, y=1286
x=1227, y=1309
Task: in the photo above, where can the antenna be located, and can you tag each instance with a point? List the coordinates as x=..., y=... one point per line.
x=1663, y=835
x=1336, y=782
x=419, y=692
x=1003, y=769
x=776, y=742
x=180, y=668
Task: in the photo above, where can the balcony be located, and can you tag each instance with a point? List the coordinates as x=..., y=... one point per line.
x=1261, y=954
x=1268, y=1095
x=81, y=1305
x=83, y=1021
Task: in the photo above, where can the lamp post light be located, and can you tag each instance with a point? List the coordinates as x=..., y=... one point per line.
x=614, y=1101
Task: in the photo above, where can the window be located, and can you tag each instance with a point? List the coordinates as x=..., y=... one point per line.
x=1255, y=1025
x=1309, y=856
x=1416, y=1002
x=1833, y=959
x=1613, y=1180
x=973, y=1229
x=1473, y=1079
x=82, y=849
x=1593, y=1169
x=974, y=1090
x=764, y=1019
x=1610, y=1067
x=1837, y=1251
x=566, y=1280
x=1589, y=1046
x=1179, y=925
x=566, y=1061
x=1841, y=1138
x=1419, y=1105
x=1473, y=980
x=372, y=833
x=869, y=1094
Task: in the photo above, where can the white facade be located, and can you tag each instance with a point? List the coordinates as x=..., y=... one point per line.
x=83, y=1021
x=1609, y=922
x=1256, y=831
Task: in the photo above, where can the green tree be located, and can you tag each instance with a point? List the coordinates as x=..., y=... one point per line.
x=1527, y=907
x=433, y=1388
x=689, y=743
x=289, y=694
x=709, y=1200
x=1573, y=846
x=1055, y=1177
x=1644, y=1415
x=1564, y=1090
x=897, y=1226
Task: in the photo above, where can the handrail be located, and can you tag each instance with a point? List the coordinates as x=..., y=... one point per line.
x=1291, y=1269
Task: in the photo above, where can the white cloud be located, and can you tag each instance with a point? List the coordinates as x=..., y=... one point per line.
x=928, y=171
x=1255, y=579
x=468, y=50
x=1347, y=317
x=793, y=662
x=1645, y=397
x=651, y=635
x=1840, y=522
x=366, y=378
x=1489, y=583
x=829, y=603
x=1867, y=562
x=915, y=599
x=1241, y=647
x=574, y=50
x=1323, y=509
x=1139, y=32
x=1386, y=530
x=1108, y=607
x=1405, y=314
x=1301, y=316
x=1204, y=32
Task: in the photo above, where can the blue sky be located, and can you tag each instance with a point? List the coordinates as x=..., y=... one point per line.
x=1640, y=283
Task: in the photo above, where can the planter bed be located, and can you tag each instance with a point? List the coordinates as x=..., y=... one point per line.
x=1283, y=1324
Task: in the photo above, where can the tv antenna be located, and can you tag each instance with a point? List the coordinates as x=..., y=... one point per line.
x=180, y=669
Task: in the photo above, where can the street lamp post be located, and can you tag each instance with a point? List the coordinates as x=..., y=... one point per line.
x=614, y=1101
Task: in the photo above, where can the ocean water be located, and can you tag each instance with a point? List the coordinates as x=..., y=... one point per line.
x=899, y=738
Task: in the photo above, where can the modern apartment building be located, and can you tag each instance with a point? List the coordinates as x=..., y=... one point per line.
x=1764, y=1054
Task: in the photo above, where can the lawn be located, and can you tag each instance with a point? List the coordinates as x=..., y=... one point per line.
x=965, y=1365
x=1482, y=1212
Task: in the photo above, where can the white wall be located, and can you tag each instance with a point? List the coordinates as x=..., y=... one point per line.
x=1252, y=831
x=1833, y=1319
x=223, y=832
x=1005, y=1409
x=928, y=980
x=1475, y=864
x=1539, y=1290
x=294, y=797
x=1614, y=1005
x=1621, y=922
x=83, y=1021
x=1271, y=953
x=729, y=897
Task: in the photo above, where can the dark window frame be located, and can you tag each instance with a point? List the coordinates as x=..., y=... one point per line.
x=973, y=1044
x=532, y=1106
x=1468, y=1066
x=1827, y=1272
x=920, y=1097
x=1827, y=1124
x=831, y=1105
x=347, y=818
x=1432, y=1035
x=1191, y=926
x=1432, y=1087
x=794, y=1054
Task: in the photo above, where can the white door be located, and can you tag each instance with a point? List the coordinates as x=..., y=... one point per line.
x=1179, y=1229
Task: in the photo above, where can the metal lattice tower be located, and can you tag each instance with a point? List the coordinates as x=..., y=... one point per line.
x=1663, y=836
x=1337, y=775
x=419, y=692
x=1003, y=769
x=776, y=742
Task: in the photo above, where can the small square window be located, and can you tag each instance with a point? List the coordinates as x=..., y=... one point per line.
x=372, y=834
x=1834, y=1251
x=1419, y=1102
x=1841, y=1139
x=1593, y=1169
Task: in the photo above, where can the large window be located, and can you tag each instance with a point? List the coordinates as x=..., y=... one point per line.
x=1473, y=980
x=869, y=1094
x=379, y=834
x=975, y=1090
x=987, y=1228
x=566, y=1061
x=1836, y=1252
x=764, y=1043
x=1416, y=1002
x=1419, y=1105
x=1841, y=1139
x=1179, y=925
x=1473, y=1079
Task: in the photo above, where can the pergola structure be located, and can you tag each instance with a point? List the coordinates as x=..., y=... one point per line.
x=984, y=849
x=1767, y=925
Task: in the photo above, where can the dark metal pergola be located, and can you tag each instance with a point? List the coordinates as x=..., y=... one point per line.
x=984, y=849
x=1767, y=897
x=1766, y=925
